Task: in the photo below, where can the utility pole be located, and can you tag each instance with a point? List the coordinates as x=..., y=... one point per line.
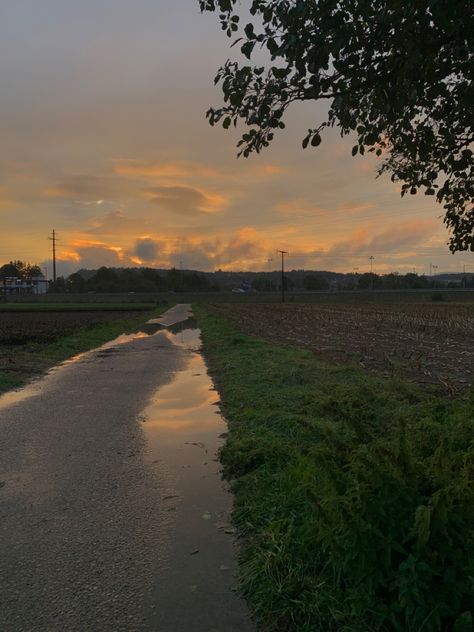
x=371, y=259
x=283, y=253
x=54, y=240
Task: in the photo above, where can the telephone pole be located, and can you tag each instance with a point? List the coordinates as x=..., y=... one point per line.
x=371, y=259
x=283, y=253
x=54, y=240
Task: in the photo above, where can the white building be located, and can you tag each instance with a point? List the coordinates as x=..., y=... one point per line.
x=16, y=286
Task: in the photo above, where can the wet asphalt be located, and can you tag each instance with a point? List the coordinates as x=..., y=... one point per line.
x=88, y=539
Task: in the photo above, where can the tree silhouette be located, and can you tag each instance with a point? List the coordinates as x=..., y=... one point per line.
x=397, y=75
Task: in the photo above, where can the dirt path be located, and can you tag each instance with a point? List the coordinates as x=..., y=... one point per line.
x=112, y=513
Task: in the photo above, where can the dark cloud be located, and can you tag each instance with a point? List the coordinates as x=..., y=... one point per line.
x=241, y=249
x=96, y=256
x=90, y=257
x=146, y=249
x=113, y=223
x=90, y=188
x=185, y=200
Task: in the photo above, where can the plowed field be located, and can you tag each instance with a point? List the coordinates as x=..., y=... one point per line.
x=22, y=327
x=428, y=344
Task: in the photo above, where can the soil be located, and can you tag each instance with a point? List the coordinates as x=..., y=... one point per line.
x=18, y=328
x=427, y=344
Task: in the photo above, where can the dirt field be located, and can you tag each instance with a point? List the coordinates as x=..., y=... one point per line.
x=427, y=343
x=19, y=328
x=32, y=342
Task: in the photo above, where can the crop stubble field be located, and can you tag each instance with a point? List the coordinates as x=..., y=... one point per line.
x=431, y=344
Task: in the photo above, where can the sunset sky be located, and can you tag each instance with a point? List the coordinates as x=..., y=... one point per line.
x=104, y=138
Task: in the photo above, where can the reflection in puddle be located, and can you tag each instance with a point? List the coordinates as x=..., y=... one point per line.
x=13, y=397
x=189, y=339
x=184, y=431
x=120, y=340
x=187, y=405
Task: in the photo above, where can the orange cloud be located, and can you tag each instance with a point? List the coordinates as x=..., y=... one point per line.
x=363, y=241
x=179, y=169
x=300, y=207
x=157, y=170
x=270, y=170
x=5, y=201
x=354, y=208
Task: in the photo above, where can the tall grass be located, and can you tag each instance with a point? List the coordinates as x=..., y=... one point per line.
x=354, y=496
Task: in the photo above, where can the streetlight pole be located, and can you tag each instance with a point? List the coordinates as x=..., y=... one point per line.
x=283, y=253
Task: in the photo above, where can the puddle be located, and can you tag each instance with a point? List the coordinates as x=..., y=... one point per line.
x=184, y=431
x=187, y=405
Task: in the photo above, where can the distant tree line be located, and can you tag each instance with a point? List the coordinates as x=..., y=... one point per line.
x=151, y=280
x=134, y=280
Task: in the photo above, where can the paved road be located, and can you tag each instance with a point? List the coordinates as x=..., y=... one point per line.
x=88, y=539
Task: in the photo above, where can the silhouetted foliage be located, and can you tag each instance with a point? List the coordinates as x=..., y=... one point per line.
x=142, y=280
x=133, y=280
x=19, y=269
x=59, y=286
x=398, y=75
x=315, y=282
x=263, y=284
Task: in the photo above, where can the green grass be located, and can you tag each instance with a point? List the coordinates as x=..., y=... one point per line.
x=74, y=307
x=354, y=496
x=20, y=363
x=330, y=297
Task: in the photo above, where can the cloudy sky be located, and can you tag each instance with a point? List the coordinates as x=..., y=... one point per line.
x=104, y=138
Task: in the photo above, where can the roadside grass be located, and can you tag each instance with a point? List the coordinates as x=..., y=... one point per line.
x=354, y=496
x=74, y=307
x=19, y=363
x=344, y=297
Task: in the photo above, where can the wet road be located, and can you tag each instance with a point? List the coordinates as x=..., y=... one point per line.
x=112, y=512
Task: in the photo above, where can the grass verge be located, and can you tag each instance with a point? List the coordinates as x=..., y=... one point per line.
x=21, y=362
x=354, y=495
x=74, y=307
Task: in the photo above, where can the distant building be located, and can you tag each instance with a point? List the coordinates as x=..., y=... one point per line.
x=14, y=286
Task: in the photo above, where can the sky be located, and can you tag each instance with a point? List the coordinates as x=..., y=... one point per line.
x=105, y=140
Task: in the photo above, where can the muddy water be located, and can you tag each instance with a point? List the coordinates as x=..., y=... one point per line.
x=195, y=590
